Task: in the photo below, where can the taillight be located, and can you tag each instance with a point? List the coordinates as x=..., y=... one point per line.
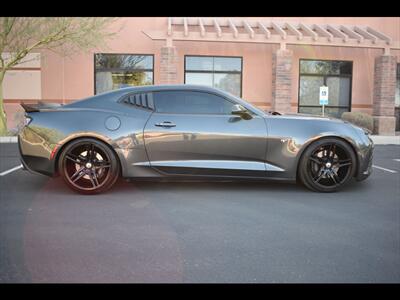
x=53, y=152
x=28, y=120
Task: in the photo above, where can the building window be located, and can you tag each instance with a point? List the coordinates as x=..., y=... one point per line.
x=224, y=73
x=397, y=99
x=337, y=75
x=115, y=71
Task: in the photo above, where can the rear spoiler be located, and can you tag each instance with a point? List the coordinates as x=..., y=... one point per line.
x=39, y=106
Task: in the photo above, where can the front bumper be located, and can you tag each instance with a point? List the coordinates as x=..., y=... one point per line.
x=365, y=162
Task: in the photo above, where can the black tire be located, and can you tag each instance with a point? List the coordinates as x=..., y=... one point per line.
x=327, y=165
x=88, y=166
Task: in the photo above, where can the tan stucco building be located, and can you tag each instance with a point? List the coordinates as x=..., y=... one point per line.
x=274, y=63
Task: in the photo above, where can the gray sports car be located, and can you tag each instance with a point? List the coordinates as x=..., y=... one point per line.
x=188, y=132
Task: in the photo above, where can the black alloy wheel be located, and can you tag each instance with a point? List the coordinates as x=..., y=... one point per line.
x=88, y=166
x=327, y=165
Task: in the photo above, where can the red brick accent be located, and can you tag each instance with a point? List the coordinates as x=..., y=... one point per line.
x=169, y=65
x=384, y=94
x=282, y=80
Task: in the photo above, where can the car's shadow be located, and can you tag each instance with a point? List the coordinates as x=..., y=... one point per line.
x=123, y=187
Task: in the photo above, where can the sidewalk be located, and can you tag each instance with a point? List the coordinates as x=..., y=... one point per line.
x=386, y=140
x=378, y=139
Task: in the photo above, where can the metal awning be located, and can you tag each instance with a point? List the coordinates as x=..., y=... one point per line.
x=274, y=32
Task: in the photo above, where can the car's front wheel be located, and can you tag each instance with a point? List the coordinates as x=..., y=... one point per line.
x=88, y=166
x=327, y=165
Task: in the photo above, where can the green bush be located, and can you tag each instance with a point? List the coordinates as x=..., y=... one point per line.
x=359, y=119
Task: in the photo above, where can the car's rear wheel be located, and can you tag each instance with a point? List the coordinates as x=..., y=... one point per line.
x=327, y=165
x=88, y=166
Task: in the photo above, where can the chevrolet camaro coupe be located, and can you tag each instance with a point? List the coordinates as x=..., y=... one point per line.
x=186, y=132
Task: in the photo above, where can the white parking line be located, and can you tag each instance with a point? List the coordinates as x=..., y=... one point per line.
x=11, y=170
x=396, y=159
x=384, y=169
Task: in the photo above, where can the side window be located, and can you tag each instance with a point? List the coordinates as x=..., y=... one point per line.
x=191, y=103
x=169, y=102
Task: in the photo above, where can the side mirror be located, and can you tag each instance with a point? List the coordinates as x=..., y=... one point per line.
x=241, y=111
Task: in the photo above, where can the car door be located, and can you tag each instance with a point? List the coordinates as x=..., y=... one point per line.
x=195, y=133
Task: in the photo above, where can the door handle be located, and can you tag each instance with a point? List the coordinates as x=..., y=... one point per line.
x=165, y=124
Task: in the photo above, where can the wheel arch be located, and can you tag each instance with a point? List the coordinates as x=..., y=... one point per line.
x=312, y=141
x=72, y=139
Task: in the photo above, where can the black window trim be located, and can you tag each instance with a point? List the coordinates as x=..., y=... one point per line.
x=134, y=70
x=212, y=71
x=123, y=97
x=121, y=100
x=199, y=91
x=332, y=106
x=398, y=70
x=324, y=79
x=328, y=60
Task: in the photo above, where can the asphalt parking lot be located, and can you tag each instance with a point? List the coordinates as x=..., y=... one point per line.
x=200, y=232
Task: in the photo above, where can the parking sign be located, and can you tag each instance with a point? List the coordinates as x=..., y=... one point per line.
x=323, y=95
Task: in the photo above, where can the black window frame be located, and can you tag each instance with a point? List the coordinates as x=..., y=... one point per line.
x=325, y=79
x=138, y=70
x=197, y=91
x=213, y=71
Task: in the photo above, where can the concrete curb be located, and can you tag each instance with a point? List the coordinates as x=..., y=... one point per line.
x=8, y=139
x=386, y=140
x=378, y=139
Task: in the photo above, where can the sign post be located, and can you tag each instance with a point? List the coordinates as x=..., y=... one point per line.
x=323, y=97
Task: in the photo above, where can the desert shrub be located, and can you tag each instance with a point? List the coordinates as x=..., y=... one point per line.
x=359, y=119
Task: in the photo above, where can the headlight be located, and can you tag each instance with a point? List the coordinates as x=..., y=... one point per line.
x=363, y=133
x=362, y=129
x=366, y=131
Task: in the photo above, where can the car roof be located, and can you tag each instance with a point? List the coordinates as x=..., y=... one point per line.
x=115, y=94
x=166, y=87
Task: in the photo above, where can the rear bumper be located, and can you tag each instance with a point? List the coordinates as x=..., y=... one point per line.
x=35, y=157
